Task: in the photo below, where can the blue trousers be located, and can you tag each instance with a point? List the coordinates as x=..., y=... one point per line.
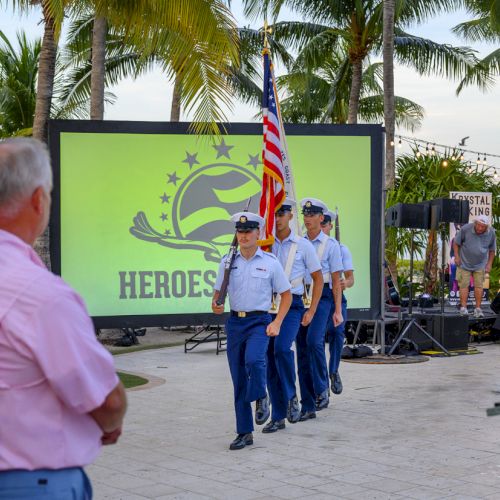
x=335, y=337
x=311, y=357
x=246, y=354
x=44, y=484
x=281, y=360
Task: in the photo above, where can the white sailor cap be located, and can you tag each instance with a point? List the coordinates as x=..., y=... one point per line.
x=287, y=206
x=313, y=206
x=329, y=216
x=247, y=220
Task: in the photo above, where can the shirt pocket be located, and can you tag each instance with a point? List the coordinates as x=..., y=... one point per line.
x=235, y=281
x=260, y=281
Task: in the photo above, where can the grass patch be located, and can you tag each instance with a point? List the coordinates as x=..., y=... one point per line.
x=129, y=380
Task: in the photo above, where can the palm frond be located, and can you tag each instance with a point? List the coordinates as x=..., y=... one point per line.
x=428, y=57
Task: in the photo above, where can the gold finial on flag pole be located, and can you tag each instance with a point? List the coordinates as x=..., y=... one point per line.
x=267, y=31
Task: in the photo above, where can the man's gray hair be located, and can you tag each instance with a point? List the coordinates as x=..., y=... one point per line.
x=24, y=166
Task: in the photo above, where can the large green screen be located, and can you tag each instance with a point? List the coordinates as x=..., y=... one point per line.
x=142, y=218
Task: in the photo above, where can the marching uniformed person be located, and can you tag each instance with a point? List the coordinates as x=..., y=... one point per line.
x=297, y=256
x=336, y=335
x=311, y=357
x=255, y=275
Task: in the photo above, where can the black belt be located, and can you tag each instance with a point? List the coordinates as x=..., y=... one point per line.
x=245, y=314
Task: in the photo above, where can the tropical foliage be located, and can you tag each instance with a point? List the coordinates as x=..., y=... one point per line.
x=356, y=27
x=323, y=95
x=427, y=178
x=485, y=27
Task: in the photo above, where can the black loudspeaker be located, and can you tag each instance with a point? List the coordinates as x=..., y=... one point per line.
x=455, y=334
x=495, y=304
x=408, y=215
x=450, y=210
x=496, y=325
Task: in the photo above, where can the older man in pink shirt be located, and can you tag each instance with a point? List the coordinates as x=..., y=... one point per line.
x=60, y=398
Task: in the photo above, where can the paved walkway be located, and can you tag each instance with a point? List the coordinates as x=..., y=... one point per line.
x=398, y=431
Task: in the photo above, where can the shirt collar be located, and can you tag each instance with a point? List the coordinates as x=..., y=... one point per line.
x=258, y=253
x=291, y=237
x=321, y=236
x=19, y=245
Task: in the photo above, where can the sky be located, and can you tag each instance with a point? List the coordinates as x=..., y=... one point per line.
x=448, y=118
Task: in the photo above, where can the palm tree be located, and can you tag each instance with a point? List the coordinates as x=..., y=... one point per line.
x=323, y=94
x=194, y=42
x=18, y=73
x=53, y=14
x=389, y=100
x=357, y=24
x=485, y=27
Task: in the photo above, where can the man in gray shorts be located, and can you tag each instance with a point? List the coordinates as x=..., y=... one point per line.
x=474, y=247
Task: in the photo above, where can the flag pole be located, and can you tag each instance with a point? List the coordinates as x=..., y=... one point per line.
x=288, y=166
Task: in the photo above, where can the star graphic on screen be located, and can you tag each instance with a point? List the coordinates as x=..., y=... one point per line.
x=163, y=217
x=167, y=232
x=191, y=159
x=223, y=149
x=172, y=178
x=253, y=160
x=165, y=198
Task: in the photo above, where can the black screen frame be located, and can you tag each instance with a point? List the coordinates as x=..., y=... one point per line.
x=375, y=132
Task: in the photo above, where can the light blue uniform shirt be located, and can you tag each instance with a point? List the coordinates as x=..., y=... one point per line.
x=252, y=282
x=305, y=261
x=346, y=258
x=331, y=260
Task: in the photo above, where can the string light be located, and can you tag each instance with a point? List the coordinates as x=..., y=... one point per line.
x=392, y=142
x=400, y=144
x=452, y=153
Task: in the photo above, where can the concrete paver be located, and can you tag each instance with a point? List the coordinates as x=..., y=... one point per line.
x=397, y=431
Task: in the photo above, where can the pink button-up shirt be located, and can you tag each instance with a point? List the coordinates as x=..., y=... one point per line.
x=53, y=371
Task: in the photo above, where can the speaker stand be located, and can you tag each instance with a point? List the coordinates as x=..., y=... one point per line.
x=411, y=321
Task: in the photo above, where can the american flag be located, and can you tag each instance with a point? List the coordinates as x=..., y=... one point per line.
x=273, y=154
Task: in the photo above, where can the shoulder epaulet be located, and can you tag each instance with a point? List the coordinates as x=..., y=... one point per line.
x=269, y=254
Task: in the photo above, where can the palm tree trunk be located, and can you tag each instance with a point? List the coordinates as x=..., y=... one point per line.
x=175, y=112
x=388, y=54
x=45, y=85
x=357, y=74
x=431, y=263
x=46, y=72
x=98, y=68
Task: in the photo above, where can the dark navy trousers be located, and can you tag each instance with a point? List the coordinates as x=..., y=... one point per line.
x=246, y=353
x=335, y=337
x=281, y=360
x=311, y=357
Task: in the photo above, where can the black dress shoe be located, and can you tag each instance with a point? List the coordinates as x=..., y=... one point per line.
x=241, y=441
x=262, y=410
x=293, y=410
x=273, y=426
x=306, y=415
x=322, y=400
x=336, y=383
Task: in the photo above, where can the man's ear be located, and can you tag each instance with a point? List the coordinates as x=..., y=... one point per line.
x=37, y=200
